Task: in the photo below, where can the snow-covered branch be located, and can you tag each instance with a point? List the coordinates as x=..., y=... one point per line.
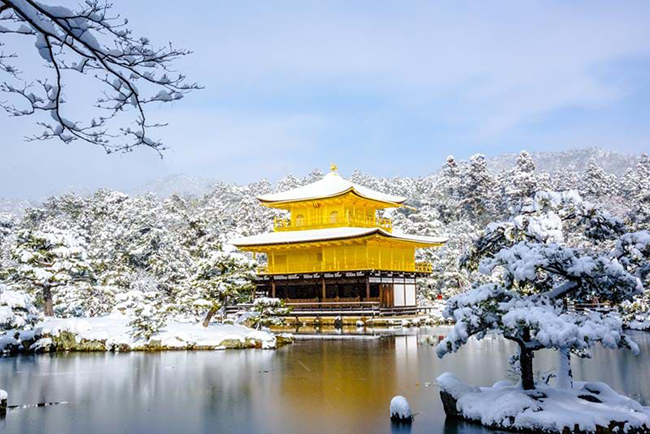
x=90, y=41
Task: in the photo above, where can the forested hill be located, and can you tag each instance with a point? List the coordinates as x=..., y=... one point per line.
x=610, y=161
x=123, y=248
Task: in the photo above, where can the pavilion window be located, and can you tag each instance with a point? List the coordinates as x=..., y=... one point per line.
x=334, y=217
x=300, y=220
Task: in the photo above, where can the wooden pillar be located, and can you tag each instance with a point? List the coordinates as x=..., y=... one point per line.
x=367, y=287
x=324, y=288
x=272, y=287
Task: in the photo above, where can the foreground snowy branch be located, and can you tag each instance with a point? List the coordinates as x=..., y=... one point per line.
x=89, y=40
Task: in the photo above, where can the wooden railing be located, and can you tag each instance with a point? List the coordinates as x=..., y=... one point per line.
x=369, y=264
x=343, y=308
x=281, y=224
x=598, y=307
x=334, y=306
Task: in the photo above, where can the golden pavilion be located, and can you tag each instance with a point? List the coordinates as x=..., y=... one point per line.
x=333, y=248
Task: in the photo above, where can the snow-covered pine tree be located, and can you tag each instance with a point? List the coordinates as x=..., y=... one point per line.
x=287, y=183
x=48, y=259
x=477, y=190
x=313, y=176
x=637, y=184
x=219, y=279
x=446, y=191
x=565, y=179
x=595, y=182
x=535, y=275
x=521, y=182
x=268, y=311
x=149, y=309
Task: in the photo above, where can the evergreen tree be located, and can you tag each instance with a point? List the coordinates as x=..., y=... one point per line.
x=638, y=187
x=477, y=190
x=47, y=260
x=536, y=274
x=220, y=279
x=268, y=312
x=520, y=182
x=595, y=181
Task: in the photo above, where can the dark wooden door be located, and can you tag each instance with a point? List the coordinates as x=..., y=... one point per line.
x=386, y=294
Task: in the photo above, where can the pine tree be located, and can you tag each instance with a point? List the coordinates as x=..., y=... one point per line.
x=537, y=274
x=595, y=182
x=477, y=190
x=220, y=279
x=47, y=260
x=268, y=312
x=521, y=182
x=638, y=187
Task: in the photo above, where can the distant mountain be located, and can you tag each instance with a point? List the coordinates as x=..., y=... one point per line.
x=14, y=206
x=79, y=190
x=613, y=162
x=195, y=186
x=186, y=185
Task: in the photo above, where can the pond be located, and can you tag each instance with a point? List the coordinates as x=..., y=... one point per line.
x=335, y=386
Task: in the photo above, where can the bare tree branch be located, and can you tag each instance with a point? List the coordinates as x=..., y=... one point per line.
x=91, y=42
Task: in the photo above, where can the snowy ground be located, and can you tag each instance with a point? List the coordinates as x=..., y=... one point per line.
x=111, y=332
x=643, y=325
x=589, y=406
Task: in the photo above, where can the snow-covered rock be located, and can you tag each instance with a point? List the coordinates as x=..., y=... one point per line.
x=400, y=411
x=4, y=396
x=588, y=406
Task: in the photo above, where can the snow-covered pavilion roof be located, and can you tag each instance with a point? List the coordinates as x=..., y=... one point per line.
x=303, y=236
x=331, y=185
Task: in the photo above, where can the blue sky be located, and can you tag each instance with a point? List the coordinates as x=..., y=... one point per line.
x=390, y=88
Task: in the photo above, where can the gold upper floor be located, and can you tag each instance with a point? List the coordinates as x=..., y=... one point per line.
x=344, y=211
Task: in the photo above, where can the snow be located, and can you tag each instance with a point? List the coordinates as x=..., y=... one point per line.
x=3, y=395
x=328, y=234
x=331, y=185
x=114, y=330
x=546, y=408
x=453, y=386
x=400, y=409
x=41, y=344
x=643, y=325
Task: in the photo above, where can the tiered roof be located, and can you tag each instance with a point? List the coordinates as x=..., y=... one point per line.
x=331, y=234
x=331, y=185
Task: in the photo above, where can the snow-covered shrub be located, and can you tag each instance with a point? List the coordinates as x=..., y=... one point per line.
x=17, y=310
x=636, y=314
x=149, y=309
x=269, y=311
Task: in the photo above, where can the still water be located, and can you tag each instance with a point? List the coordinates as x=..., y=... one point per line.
x=321, y=386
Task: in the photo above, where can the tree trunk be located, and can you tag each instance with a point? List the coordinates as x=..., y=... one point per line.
x=526, y=364
x=564, y=376
x=209, y=316
x=47, y=301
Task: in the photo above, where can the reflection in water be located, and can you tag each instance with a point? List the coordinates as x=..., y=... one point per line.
x=312, y=386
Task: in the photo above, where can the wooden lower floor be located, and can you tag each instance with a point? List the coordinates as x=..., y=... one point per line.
x=358, y=291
